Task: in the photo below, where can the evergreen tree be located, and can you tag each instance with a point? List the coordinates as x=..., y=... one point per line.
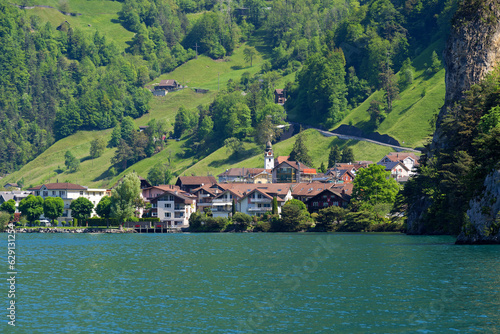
x=334, y=156
x=300, y=152
x=347, y=155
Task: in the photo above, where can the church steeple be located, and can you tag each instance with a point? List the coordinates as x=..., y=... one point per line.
x=269, y=156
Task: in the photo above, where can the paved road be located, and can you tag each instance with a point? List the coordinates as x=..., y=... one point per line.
x=346, y=137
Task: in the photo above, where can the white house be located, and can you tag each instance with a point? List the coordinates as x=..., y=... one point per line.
x=69, y=192
x=174, y=207
x=410, y=160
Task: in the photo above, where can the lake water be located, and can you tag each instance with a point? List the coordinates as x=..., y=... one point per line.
x=252, y=283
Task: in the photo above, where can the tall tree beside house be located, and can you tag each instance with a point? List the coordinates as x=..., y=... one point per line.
x=31, y=207
x=294, y=217
x=373, y=185
x=124, y=197
x=300, y=152
x=81, y=209
x=233, y=208
x=275, y=206
x=159, y=174
x=334, y=156
x=103, y=208
x=53, y=207
x=347, y=155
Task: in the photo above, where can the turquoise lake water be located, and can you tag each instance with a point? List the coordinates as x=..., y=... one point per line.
x=252, y=283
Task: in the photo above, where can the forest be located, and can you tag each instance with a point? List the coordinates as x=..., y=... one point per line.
x=55, y=82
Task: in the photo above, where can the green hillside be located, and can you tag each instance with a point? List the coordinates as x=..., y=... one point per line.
x=99, y=16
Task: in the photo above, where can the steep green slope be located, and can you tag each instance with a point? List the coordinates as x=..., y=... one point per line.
x=99, y=16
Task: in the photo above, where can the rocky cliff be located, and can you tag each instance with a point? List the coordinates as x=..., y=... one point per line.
x=472, y=51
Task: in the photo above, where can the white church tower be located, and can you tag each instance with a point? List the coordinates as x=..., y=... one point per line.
x=269, y=156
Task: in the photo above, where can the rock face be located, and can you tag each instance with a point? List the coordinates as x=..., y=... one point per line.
x=471, y=52
x=484, y=215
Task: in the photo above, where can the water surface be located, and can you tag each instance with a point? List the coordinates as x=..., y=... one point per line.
x=253, y=283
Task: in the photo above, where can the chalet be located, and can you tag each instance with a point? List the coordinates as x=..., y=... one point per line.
x=174, y=207
x=168, y=85
x=279, y=96
x=69, y=192
x=205, y=194
x=189, y=183
x=292, y=172
x=222, y=204
x=304, y=191
x=398, y=170
x=326, y=198
x=246, y=175
x=354, y=167
x=410, y=160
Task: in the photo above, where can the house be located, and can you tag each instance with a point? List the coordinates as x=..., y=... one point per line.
x=246, y=175
x=410, y=160
x=259, y=200
x=168, y=85
x=292, y=172
x=222, y=204
x=398, y=170
x=174, y=207
x=340, y=175
x=17, y=196
x=279, y=96
x=354, y=167
x=11, y=186
x=205, y=194
x=304, y=191
x=69, y=192
x=326, y=198
x=189, y=183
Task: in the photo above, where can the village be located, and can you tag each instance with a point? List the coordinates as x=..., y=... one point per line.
x=250, y=190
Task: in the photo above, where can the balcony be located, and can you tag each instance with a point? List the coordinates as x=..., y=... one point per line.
x=222, y=201
x=204, y=195
x=179, y=209
x=260, y=200
x=257, y=209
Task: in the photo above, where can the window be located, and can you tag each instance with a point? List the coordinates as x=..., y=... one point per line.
x=167, y=214
x=61, y=194
x=315, y=204
x=154, y=205
x=168, y=205
x=325, y=204
x=81, y=193
x=154, y=214
x=93, y=193
x=53, y=192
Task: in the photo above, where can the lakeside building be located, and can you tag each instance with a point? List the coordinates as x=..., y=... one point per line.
x=16, y=195
x=68, y=192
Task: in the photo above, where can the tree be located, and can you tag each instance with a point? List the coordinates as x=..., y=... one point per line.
x=389, y=85
x=31, y=207
x=103, y=208
x=122, y=155
x=347, y=155
x=248, y=53
x=159, y=174
x=294, y=216
x=124, y=197
x=233, y=208
x=435, y=62
x=300, y=152
x=81, y=208
x=334, y=156
x=330, y=217
x=275, y=206
x=97, y=147
x=374, y=185
x=9, y=206
x=4, y=220
x=72, y=163
x=241, y=220
x=233, y=145
x=53, y=207
x=115, y=137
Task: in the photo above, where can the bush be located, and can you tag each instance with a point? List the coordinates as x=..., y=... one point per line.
x=241, y=221
x=357, y=222
x=262, y=226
